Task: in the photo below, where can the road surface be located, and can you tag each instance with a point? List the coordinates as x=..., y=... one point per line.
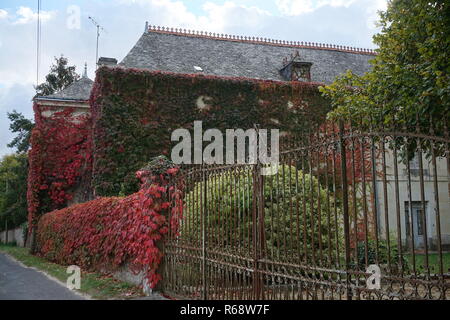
x=21, y=283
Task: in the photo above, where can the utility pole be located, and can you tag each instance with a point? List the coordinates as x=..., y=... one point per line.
x=6, y=218
x=99, y=27
x=38, y=41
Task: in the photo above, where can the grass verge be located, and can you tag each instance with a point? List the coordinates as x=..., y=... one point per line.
x=433, y=261
x=96, y=285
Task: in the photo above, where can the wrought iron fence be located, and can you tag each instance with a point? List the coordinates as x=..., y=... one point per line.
x=342, y=200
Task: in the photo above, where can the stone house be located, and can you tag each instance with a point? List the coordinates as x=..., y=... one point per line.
x=76, y=95
x=191, y=52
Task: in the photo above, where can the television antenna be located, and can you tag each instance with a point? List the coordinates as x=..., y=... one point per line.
x=99, y=27
x=38, y=41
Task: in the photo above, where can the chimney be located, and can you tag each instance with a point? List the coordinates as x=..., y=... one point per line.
x=104, y=61
x=85, y=70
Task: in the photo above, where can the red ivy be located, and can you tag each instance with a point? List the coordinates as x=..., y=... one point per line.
x=105, y=233
x=358, y=158
x=61, y=155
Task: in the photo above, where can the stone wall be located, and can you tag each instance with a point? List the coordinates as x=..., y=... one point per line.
x=14, y=236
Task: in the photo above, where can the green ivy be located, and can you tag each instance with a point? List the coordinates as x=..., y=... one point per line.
x=135, y=112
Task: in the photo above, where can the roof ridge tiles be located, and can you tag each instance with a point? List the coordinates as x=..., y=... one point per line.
x=259, y=40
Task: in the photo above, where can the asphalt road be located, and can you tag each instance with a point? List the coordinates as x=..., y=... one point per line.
x=22, y=283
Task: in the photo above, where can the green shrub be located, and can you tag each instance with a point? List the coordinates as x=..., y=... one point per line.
x=290, y=204
x=385, y=256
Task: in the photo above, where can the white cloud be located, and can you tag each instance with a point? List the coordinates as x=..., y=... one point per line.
x=338, y=3
x=230, y=15
x=162, y=12
x=372, y=12
x=3, y=14
x=26, y=15
x=16, y=97
x=216, y=17
x=297, y=7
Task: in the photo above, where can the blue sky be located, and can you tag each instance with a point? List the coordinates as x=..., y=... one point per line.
x=343, y=22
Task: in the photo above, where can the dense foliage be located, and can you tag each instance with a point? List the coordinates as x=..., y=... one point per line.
x=60, y=76
x=60, y=160
x=135, y=112
x=108, y=233
x=13, y=190
x=409, y=83
x=22, y=127
x=294, y=223
x=385, y=255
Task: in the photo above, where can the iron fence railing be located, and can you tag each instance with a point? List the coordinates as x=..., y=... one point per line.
x=342, y=201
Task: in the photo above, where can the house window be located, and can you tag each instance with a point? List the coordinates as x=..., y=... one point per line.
x=417, y=217
x=414, y=162
x=414, y=166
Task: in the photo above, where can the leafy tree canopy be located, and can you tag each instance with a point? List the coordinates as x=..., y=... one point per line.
x=13, y=190
x=61, y=75
x=22, y=126
x=409, y=83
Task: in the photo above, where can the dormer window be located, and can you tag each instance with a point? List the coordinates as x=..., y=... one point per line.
x=296, y=70
x=301, y=71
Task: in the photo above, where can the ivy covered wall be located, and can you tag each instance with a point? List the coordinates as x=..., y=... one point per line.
x=135, y=111
x=107, y=233
x=60, y=160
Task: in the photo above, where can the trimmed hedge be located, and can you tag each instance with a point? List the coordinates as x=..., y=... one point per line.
x=292, y=219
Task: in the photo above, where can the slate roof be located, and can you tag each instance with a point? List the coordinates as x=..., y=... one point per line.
x=79, y=91
x=223, y=55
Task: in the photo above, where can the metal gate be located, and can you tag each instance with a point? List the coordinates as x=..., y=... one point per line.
x=339, y=203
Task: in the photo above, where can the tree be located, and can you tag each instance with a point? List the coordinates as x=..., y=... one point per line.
x=408, y=86
x=13, y=190
x=61, y=75
x=23, y=127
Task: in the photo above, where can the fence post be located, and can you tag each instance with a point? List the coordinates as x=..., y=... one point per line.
x=344, y=187
x=262, y=232
x=258, y=222
x=204, y=213
x=156, y=172
x=256, y=236
x=6, y=230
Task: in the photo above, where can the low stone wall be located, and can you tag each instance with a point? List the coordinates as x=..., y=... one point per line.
x=126, y=275
x=15, y=235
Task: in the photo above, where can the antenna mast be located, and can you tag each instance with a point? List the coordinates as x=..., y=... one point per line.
x=38, y=41
x=99, y=27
